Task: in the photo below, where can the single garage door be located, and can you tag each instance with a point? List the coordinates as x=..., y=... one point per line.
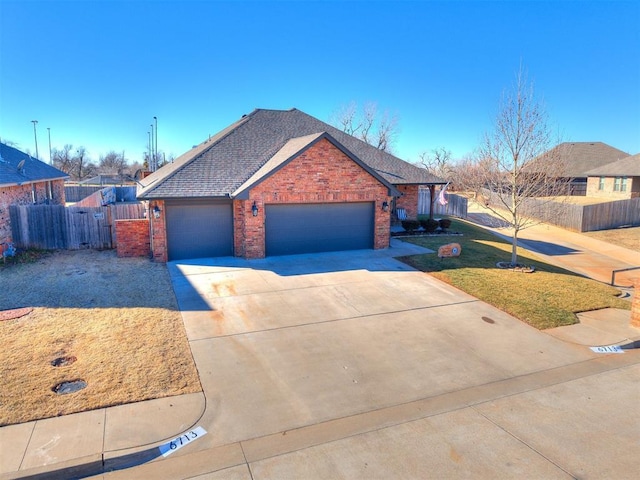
x=318, y=227
x=198, y=229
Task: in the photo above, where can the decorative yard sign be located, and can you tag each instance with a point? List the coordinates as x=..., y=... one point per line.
x=449, y=250
x=608, y=349
x=179, y=442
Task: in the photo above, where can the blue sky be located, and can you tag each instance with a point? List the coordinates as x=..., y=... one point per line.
x=97, y=72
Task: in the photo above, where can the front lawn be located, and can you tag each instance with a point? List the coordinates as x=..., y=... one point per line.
x=549, y=297
x=86, y=315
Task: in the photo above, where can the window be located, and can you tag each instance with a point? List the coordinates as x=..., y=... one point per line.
x=620, y=184
x=601, y=184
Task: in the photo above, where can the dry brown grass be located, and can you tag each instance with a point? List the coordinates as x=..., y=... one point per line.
x=624, y=237
x=581, y=200
x=118, y=317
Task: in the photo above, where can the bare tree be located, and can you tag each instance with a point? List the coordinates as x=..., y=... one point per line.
x=113, y=163
x=515, y=165
x=63, y=159
x=77, y=165
x=369, y=125
x=438, y=162
x=84, y=168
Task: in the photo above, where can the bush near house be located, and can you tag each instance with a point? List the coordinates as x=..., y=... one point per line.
x=410, y=225
x=429, y=224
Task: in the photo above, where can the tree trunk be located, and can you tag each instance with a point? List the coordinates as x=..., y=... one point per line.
x=432, y=192
x=514, y=248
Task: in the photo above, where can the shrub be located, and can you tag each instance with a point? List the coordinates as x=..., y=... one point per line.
x=410, y=225
x=429, y=225
x=445, y=223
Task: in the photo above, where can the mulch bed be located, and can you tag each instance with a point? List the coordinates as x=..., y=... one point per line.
x=14, y=313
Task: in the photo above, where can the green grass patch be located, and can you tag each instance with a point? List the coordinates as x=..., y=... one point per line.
x=549, y=297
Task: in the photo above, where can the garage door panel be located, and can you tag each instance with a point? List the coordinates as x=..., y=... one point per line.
x=199, y=229
x=310, y=228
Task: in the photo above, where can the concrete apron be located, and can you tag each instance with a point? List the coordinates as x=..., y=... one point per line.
x=303, y=345
x=352, y=365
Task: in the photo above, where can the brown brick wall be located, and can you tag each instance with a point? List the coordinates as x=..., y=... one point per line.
x=635, y=306
x=25, y=195
x=322, y=174
x=158, y=232
x=133, y=238
x=408, y=200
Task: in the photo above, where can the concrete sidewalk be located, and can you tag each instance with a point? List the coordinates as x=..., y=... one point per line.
x=354, y=366
x=570, y=250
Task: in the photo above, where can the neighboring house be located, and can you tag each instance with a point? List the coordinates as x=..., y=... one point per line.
x=25, y=180
x=278, y=182
x=105, y=180
x=580, y=157
x=617, y=180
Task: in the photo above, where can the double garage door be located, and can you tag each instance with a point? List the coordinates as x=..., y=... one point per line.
x=199, y=229
x=321, y=227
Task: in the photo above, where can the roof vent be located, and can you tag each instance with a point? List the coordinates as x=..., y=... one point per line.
x=21, y=166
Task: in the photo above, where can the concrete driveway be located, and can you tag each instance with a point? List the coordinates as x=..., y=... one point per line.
x=353, y=365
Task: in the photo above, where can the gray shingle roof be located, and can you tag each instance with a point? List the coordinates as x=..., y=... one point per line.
x=627, y=167
x=580, y=157
x=31, y=171
x=221, y=165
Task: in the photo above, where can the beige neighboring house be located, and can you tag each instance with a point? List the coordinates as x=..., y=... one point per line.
x=617, y=180
x=25, y=180
x=580, y=157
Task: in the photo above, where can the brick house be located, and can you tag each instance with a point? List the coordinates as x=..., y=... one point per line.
x=25, y=180
x=278, y=182
x=578, y=158
x=617, y=180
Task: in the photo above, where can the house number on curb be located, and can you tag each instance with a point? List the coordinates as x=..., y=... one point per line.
x=179, y=442
x=608, y=349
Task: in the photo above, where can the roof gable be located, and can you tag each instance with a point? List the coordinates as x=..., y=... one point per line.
x=18, y=168
x=580, y=157
x=627, y=167
x=294, y=148
x=221, y=166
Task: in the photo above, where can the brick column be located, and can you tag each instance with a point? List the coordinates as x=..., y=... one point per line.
x=635, y=305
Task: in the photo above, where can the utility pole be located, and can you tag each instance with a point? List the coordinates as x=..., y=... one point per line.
x=155, y=120
x=50, y=160
x=149, y=164
x=35, y=135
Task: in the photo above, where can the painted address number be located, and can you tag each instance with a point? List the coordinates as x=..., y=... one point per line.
x=179, y=442
x=608, y=349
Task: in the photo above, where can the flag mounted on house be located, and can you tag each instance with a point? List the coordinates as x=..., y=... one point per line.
x=442, y=199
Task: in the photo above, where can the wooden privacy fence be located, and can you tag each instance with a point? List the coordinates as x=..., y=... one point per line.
x=457, y=206
x=53, y=227
x=579, y=218
x=75, y=193
x=602, y=216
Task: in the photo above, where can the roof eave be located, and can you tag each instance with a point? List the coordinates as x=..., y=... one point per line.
x=30, y=181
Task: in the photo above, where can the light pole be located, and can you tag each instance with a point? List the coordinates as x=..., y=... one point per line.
x=35, y=135
x=155, y=120
x=154, y=155
x=149, y=148
x=50, y=160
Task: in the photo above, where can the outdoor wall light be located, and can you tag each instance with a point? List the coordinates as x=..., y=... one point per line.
x=385, y=206
x=156, y=211
x=254, y=209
